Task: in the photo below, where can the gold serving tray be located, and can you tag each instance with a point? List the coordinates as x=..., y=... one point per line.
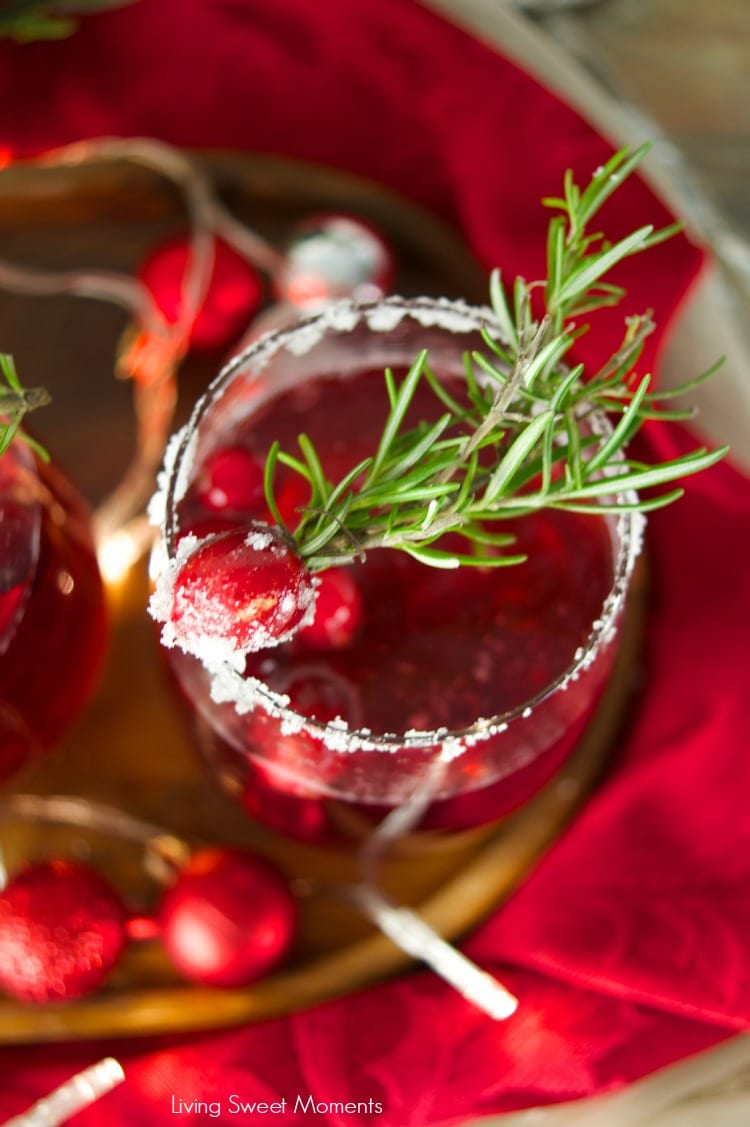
x=130, y=750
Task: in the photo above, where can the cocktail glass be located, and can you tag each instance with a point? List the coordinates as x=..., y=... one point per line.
x=52, y=616
x=470, y=687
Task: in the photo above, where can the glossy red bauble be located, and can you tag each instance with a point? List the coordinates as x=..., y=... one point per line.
x=228, y=919
x=62, y=929
x=235, y=292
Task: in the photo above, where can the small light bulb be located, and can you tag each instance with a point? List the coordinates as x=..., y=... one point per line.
x=117, y=553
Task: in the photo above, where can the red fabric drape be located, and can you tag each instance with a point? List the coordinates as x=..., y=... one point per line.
x=628, y=946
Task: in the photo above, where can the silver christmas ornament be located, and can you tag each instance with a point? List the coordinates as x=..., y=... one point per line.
x=329, y=257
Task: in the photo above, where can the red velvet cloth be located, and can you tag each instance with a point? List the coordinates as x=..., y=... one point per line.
x=628, y=945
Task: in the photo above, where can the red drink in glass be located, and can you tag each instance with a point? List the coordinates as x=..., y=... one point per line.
x=52, y=615
x=489, y=674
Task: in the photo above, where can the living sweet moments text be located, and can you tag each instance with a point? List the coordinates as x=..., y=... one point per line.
x=299, y=1104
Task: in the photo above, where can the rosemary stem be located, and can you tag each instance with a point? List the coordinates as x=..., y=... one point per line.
x=519, y=437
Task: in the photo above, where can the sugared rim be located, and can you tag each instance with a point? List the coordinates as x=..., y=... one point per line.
x=228, y=684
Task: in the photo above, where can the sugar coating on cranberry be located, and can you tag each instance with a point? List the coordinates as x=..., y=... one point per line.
x=231, y=594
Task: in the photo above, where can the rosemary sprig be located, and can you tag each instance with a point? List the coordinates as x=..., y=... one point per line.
x=15, y=402
x=521, y=440
x=28, y=20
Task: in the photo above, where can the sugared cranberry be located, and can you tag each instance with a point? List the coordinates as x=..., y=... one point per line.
x=232, y=478
x=338, y=611
x=247, y=588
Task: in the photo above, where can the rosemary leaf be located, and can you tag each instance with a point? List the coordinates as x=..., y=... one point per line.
x=15, y=403
x=518, y=437
x=518, y=451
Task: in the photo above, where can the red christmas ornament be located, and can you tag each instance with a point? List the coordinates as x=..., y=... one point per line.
x=234, y=295
x=228, y=919
x=326, y=257
x=62, y=929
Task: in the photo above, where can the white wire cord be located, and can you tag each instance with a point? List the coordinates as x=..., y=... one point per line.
x=76, y=1094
